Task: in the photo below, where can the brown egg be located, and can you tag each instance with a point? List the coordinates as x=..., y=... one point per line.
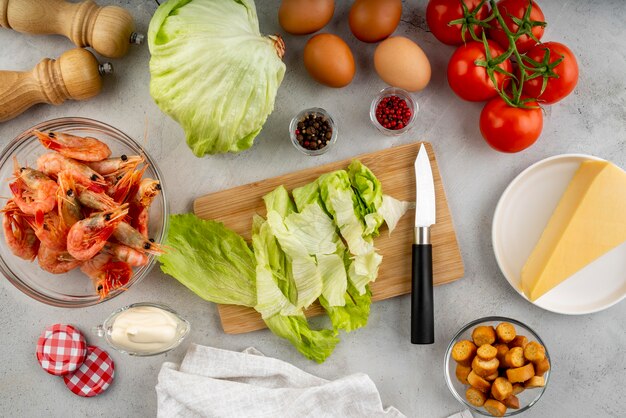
x=300, y=17
x=328, y=60
x=400, y=62
x=374, y=20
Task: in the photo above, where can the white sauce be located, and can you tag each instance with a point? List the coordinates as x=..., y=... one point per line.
x=144, y=329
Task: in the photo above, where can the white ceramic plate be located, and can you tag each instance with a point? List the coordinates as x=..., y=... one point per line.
x=521, y=216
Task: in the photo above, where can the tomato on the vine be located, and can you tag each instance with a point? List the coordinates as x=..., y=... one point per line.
x=566, y=73
x=510, y=129
x=440, y=12
x=470, y=81
x=517, y=9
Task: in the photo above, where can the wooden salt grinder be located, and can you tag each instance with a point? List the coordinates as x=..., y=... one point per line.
x=75, y=75
x=108, y=30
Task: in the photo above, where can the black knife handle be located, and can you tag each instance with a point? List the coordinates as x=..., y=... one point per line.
x=422, y=320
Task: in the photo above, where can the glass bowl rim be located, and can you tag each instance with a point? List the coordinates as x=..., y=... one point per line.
x=448, y=359
x=120, y=136
x=394, y=91
x=292, y=131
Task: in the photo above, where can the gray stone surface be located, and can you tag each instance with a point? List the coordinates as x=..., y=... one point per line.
x=588, y=351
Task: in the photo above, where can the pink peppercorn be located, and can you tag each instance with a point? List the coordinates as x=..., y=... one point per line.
x=393, y=113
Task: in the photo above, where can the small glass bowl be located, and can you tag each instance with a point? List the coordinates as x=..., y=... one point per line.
x=526, y=399
x=73, y=289
x=411, y=104
x=293, y=125
x=105, y=330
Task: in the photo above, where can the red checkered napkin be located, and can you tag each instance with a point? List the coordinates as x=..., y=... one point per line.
x=94, y=376
x=61, y=349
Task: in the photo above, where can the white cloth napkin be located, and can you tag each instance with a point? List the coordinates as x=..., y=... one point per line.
x=217, y=383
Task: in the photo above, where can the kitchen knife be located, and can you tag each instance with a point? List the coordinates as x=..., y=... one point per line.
x=422, y=321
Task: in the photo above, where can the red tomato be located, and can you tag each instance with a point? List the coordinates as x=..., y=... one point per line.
x=510, y=129
x=516, y=8
x=567, y=72
x=440, y=12
x=471, y=82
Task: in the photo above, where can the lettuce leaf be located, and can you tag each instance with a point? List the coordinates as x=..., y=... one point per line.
x=306, y=276
x=340, y=200
x=313, y=344
x=314, y=229
x=274, y=283
x=354, y=312
x=306, y=195
x=278, y=200
x=369, y=194
x=392, y=210
x=211, y=260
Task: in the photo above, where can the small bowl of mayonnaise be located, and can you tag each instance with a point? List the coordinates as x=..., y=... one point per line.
x=144, y=329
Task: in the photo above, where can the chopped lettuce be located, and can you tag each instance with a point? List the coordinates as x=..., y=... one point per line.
x=341, y=201
x=318, y=246
x=273, y=281
x=334, y=278
x=307, y=195
x=314, y=229
x=303, y=266
x=279, y=201
x=369, y=193
x=353, y=314
x=392, y=210
x=313, y=344
x=211, y=260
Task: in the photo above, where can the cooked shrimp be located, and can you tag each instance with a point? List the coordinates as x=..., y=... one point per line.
x=68, y=205
x=56, y=262
x=148, y=190
x=132, y=238
x=50, y=232
x=20, y=237
x=77, y=147
x=139, y=217
x=95, y=200
x=128, y=255
x=33, y=192
x=116, y=166
x=128, y=186
x=106, y=275
x=139, y=206
x=52, y=164
x=87, y=237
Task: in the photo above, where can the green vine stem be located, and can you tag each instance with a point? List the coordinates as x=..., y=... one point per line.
x=528, y=68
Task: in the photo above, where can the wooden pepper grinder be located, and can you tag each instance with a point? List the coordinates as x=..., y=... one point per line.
x=75, y=75
x=108, y=30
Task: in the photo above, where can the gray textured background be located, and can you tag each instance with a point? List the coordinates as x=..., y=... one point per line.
x=588, y=351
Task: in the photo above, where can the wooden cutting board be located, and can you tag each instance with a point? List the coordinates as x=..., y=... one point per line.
x=394, y=168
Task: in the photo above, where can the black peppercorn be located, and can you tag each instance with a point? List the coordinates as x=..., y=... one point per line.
x=313, y=132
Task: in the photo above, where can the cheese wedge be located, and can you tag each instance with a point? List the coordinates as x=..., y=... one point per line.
x=589, y=221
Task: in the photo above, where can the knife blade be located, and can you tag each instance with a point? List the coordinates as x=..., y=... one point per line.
x=422, y=317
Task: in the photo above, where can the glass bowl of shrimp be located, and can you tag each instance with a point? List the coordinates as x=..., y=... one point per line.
x=84, y=212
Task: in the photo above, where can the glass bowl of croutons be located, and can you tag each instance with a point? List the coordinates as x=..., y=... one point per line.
x=497, y=366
